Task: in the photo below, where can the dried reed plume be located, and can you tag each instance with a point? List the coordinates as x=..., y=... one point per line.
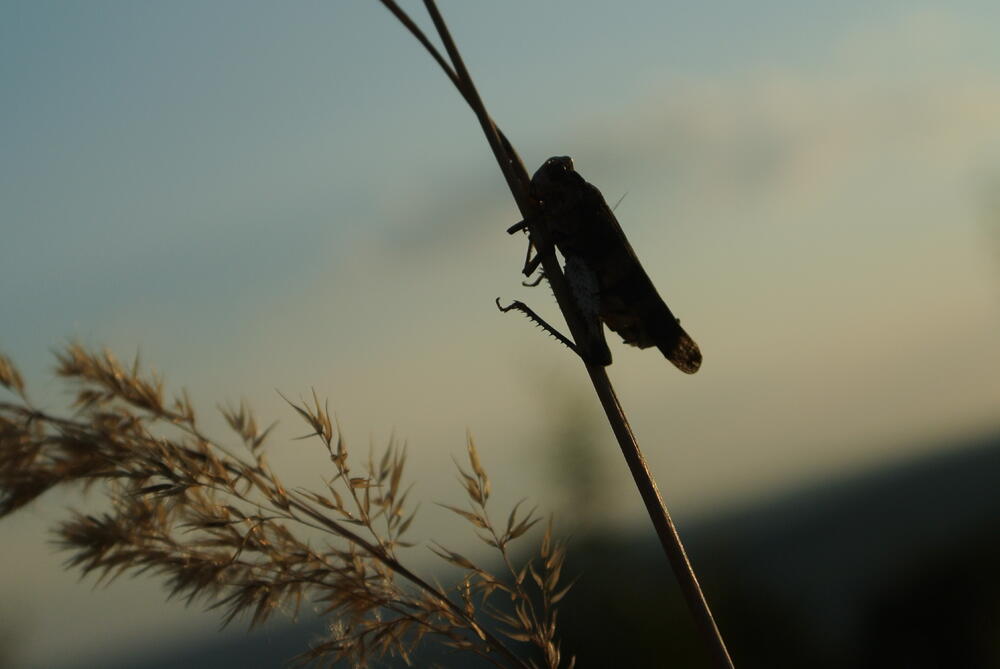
x=219, y=526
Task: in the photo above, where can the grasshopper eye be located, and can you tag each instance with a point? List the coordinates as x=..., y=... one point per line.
x=564, y=163
x=559, y=164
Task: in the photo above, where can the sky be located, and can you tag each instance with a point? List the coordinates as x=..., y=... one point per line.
x=263, y=197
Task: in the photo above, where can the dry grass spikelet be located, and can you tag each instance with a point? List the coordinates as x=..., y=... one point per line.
x=219, y=527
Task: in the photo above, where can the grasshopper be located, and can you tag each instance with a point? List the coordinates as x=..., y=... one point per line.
x=605, y=277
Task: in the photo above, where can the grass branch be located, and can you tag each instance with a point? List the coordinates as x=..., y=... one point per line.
x=221, y=527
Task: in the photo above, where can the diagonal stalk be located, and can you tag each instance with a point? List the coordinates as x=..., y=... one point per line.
x=519, y=184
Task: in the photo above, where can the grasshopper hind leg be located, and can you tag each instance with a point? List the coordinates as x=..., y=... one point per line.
x=517, y=305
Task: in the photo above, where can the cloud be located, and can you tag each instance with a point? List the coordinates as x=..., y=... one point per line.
x=815, y=226
x=818, y=226
x=811, y=223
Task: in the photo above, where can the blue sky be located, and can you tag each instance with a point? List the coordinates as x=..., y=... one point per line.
x=263, y=196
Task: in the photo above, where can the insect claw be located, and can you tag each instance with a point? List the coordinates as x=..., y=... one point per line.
x=531, y=263
x=517, y=227
x=534, y=283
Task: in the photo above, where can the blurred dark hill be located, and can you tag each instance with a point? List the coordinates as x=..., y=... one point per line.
x=892, y=568
x=895, y=567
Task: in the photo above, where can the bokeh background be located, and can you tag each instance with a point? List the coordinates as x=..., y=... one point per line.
x=259, y=196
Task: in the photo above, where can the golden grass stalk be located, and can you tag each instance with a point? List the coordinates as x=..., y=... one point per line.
x=216, y=522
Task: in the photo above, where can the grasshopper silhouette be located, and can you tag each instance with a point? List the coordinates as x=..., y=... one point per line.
x=603, y=272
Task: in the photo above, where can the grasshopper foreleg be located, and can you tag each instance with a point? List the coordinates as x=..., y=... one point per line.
x=530, y=263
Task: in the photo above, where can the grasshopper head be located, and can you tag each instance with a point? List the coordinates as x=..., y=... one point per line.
x=556, y=180
x=553, y=169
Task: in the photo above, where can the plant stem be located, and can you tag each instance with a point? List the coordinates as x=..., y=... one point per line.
x=658, y=513
x=519, y=183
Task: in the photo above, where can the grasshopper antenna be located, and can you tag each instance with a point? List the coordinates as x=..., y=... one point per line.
x=624, y=195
